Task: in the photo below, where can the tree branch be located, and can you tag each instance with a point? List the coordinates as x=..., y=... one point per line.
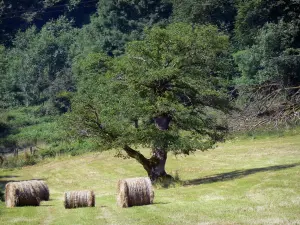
x=138, y=157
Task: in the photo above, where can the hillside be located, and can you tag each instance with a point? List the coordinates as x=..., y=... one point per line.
x=80, y=79
x=240, y=182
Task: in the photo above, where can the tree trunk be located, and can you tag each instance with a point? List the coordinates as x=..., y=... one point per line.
x=155, y=166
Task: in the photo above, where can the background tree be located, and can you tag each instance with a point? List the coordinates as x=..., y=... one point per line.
x=118, y=22
x=39, y=63
x=217, y=12
x=267, y=55
x=254, y=14
x=274, y=57
x=5, y=84
x=18, y=15
x=164, y=93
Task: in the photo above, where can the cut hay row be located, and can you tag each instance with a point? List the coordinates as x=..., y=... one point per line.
x=77, y=199
x=135, y=192
x=25, y=193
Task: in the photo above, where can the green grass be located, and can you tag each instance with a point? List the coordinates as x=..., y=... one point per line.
x=25, y=126
x=243, y=181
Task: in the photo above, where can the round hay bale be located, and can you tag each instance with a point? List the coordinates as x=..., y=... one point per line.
x=135, y=192
x=20, y=194
x=41, y=189
x=77, y=199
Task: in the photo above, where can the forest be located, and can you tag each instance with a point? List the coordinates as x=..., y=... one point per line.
x=171, y=75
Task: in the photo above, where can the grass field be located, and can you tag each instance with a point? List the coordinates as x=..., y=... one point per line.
x=240, y=182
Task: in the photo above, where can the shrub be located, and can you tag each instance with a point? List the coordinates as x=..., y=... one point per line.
x=22, y=160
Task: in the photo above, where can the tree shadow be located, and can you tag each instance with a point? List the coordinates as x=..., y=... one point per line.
x=236, y=174
x=160, y=203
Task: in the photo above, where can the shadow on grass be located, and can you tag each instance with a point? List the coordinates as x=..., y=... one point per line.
x=8, y=176
x=236, y=174
x=160, y=203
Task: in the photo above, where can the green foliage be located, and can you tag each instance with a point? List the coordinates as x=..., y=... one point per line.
x=176, y=72
x=72, y=148
x=125, y=20
x=4, y=126
x=25, y=116
x=92, y=64
x=21, y=160
x=37, y=68
x=180, y=72
x=6, y=94
x=63, y=101
x=118, y=22
x=217, y=12
x=18, y=15
x=39, y=63
x=274, y=57
x=25, y=127
x=254, y=14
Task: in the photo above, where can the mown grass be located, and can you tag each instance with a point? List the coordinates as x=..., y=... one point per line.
x=244, y=181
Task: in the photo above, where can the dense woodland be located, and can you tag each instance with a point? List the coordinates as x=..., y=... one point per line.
x=171, y=75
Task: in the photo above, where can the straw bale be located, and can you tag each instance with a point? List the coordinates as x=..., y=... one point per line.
x=77, y=199
x=135, y=192
x=41, y=189
x=20, y=194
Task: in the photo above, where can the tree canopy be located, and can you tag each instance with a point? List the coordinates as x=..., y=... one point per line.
x=163, y=93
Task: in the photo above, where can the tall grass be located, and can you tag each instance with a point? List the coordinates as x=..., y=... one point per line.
x=23, y=159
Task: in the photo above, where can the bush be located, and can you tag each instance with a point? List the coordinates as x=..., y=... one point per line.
x=71, y=148
x=22, y=160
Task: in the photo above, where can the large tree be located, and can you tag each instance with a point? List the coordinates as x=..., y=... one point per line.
x=165, y=93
